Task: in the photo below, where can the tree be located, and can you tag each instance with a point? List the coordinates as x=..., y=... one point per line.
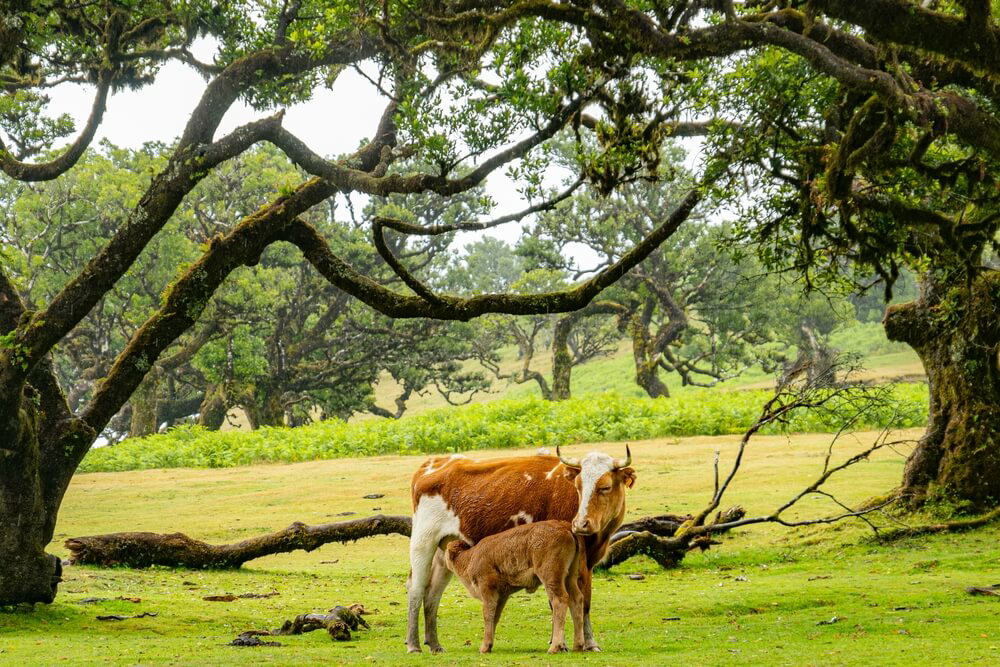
x=276, y=339
x=864, y=138
x=687, y=309
x=492, y=265
x=804, y=322
x=535, y=80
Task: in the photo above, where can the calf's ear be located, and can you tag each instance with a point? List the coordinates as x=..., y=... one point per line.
x=570, y=473
x=629, y=476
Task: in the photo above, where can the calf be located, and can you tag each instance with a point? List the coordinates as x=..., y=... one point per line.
x=523, y=557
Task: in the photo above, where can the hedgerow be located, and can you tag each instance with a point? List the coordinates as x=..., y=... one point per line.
x=528, y=422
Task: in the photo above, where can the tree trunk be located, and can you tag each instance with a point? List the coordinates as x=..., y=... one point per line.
x=818, y=358
x=145, y=406
x=140, y=550
x=29, y=574
x=562, y=360
x=269, y=412
x=647, y=376
x=214, y=406
x=956, y=332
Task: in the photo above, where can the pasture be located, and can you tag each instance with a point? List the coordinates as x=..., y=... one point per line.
x=767, y=595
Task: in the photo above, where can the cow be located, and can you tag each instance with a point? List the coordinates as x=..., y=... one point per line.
x=523, y=557
x=456, y=498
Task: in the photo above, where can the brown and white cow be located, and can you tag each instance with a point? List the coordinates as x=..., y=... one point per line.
x=456, y=498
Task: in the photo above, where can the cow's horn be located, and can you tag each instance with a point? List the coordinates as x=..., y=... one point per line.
x=570, y=463
x=628, y=459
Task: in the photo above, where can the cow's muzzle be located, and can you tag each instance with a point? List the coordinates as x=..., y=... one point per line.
x=583, y=527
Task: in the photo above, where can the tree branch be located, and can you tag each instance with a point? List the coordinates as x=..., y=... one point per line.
x=434, y=230
x=23, y=171
x=391, y=303
x=78, y=297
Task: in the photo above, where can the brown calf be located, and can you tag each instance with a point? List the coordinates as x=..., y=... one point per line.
x=523, y=557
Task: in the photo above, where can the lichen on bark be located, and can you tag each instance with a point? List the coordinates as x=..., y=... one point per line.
x=955, y=330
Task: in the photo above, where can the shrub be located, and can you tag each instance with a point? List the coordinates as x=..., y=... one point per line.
x=526, y=422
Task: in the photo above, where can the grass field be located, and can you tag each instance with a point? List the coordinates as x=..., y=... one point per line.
x=757, y=599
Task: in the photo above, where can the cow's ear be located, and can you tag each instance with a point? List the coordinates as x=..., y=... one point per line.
x=570, y=473
x=629, y=475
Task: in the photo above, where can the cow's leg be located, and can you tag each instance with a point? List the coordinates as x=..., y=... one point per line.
x=491, y=600
x=589, y=643
x=576, y=610
x=440, y=576
x=559, y=601
x=423, y=545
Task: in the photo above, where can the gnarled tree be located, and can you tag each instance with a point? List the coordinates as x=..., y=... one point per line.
x=866, y=135
x=271, y=58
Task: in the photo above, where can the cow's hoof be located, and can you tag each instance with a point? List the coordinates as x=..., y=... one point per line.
x=412, y=649
x=486, y=648
x=437, y=649
x=561, y=648
x=592, y=647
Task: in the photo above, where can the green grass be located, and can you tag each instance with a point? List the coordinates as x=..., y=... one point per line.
x=902, y=604
x=509, y=423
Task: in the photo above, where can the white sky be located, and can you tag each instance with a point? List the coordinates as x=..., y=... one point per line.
x=333, y=122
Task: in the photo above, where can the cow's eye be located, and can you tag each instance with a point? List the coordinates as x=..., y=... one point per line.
x=604, y=489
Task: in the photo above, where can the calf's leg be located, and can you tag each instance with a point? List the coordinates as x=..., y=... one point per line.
x=560, y=602
x=576, y=609
x=491, y=600
x=501, y=601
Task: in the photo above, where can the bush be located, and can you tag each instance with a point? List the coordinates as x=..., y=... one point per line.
x=527, y=422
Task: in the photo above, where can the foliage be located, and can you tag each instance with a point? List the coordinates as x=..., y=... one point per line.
x=510, y=423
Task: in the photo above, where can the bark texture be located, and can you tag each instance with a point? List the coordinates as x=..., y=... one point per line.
x=956, y=332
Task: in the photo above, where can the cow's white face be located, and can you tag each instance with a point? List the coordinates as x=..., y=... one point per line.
x=600, y=485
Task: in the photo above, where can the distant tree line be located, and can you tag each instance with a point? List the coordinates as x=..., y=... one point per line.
x=287, y=347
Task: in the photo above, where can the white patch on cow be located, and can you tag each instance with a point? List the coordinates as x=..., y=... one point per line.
x=593, y=466
x=521, y=517
x=543, y=451
x=528, y=476
x=549, y=474
x=433, y=521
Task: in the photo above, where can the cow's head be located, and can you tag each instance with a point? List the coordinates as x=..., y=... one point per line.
x=600, y=482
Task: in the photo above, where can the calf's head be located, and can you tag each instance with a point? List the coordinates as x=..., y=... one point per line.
x=600, y=484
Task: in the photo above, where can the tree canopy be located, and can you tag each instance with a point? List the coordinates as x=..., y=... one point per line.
x=845, y=138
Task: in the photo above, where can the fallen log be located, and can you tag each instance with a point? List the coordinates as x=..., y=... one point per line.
x=664, y=525
x=179, y=550
x=667, y=538
x=140, y=549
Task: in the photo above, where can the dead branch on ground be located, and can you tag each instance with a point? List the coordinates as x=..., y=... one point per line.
x=850, y=403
